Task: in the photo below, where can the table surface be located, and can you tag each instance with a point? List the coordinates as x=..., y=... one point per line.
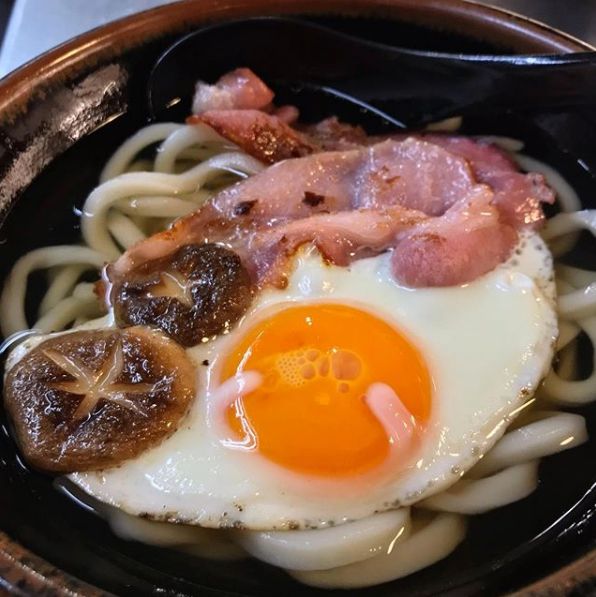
x=29, y=27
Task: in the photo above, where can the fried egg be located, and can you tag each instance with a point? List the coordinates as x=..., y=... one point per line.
x=346, y=394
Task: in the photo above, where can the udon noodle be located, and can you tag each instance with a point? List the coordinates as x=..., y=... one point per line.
x=139, y=195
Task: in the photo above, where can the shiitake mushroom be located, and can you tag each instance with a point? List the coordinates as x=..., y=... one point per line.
x=196, y=292
x=88, y=400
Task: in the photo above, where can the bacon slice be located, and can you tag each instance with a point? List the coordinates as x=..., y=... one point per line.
x=468, y=241
x=238, y=89
x=332, y=135
x=270, y=138
x=340, y=237
x=449, y=206
x=518, y=196
x=352, y=195
x=350, y=204
x=411, y=173
x=266, y=137
x=232, y=107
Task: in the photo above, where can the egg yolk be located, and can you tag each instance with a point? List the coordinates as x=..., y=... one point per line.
x=316, y=363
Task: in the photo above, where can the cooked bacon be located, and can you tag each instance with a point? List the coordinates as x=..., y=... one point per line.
x=270, y=214
x=466, y=242
x=411, y=173
x=448, y=206
x=518, y=196
x=264, y=136
x=287, y=114
x=238, y=89
x=270, y=138
x=332, y=135
x=340, y=237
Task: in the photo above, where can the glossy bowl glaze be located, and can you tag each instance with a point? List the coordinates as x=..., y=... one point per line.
x=60, y=118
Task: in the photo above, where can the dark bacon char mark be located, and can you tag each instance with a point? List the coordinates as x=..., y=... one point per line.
x=243, y=208
x=312, y=199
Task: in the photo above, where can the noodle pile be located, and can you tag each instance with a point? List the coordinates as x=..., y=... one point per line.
x=138, y=197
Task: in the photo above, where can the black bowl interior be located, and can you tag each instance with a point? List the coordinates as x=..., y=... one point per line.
x=504, y=549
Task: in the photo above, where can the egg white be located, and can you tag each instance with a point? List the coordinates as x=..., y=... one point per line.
x=487, y=345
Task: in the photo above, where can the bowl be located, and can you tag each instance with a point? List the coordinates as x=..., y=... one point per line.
x=63, y=114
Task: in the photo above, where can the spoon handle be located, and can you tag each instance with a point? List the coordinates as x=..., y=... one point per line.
x=434, y=86
x=420, y=86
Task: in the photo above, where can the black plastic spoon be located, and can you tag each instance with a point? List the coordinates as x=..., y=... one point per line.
x=319, y=69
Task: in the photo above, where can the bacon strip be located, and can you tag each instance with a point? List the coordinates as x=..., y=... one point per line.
x=467, y=242
x=412, y=195
x=412, y=174
x=238, y=89
x=266, y=137
x=518, y=196
x=341, y=238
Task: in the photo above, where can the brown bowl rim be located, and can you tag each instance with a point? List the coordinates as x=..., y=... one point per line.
x=20, y=569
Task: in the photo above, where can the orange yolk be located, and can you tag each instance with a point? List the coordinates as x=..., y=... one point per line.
x=309, y=414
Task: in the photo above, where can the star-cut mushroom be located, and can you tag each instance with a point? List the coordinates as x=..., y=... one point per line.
x=90, y=399
x=173, y=284
x=98, y=385
x=197, y=292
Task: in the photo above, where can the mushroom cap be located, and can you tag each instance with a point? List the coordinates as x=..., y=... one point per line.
x=198, y=291
x=88, y=400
